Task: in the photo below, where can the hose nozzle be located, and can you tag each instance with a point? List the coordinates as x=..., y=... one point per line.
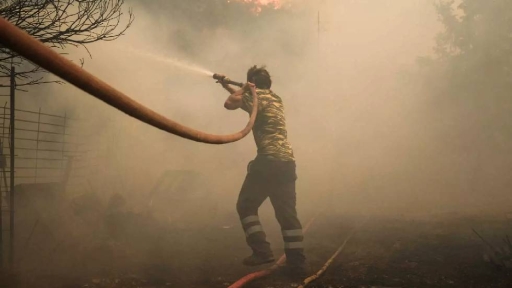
x=226, y=80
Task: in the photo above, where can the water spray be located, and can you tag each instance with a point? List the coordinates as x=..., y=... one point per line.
x=190, y=67
x=168, y=60
x=187, y=66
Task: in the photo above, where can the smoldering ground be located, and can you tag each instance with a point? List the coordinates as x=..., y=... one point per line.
x=364, y=135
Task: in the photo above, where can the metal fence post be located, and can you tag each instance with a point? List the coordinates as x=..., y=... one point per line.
x=11, y=217
x=63, y=140
x=2, y=166
x=2, y=190
x=37, y=141
x=67, y=172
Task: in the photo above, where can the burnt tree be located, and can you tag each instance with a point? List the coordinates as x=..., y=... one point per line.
x=59, y=24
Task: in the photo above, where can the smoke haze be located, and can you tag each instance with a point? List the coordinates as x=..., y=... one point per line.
x=364, y=142
x=378, y=128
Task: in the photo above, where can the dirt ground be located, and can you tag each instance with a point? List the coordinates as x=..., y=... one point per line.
x=440, y=251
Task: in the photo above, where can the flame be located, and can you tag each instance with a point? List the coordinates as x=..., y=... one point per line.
x=259, y=4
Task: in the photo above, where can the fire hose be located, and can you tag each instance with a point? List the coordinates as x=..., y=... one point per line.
x=262, y=273
x=23, y=44
x=258, y=274
x=329, y=262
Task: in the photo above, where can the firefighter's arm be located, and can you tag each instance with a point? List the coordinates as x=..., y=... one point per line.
x=228, y=88
x=234, y=100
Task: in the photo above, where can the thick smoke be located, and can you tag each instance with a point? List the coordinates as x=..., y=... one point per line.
x=370, y=134
x=343, y=69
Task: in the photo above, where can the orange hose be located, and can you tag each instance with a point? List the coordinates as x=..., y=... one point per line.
x=329, y=262
x=20, y=42
x=258, y=274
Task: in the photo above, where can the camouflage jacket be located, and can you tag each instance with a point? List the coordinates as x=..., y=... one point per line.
x=269, y=129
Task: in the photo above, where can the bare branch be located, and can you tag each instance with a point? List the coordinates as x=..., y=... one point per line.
x=60, y=24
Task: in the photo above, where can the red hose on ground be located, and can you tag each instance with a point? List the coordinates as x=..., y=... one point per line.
x=258, y=274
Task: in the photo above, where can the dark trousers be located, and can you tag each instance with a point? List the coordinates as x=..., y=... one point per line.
x=275, y=180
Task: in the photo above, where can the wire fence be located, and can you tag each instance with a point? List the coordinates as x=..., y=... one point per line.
x=48, y=149
x=40, y=152
x=45, y=147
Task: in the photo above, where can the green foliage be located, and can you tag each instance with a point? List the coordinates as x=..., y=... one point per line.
x=477, y=43
x=466, y=87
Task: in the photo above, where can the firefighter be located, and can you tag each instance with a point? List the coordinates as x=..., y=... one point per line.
x=271, y=174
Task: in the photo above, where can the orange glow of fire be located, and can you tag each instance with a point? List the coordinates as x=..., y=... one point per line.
x=259, y=4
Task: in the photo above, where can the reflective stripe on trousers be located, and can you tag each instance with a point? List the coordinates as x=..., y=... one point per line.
x=293, y=239
x=251, y=225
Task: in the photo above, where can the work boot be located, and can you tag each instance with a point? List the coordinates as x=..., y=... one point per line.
x=258, y=259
